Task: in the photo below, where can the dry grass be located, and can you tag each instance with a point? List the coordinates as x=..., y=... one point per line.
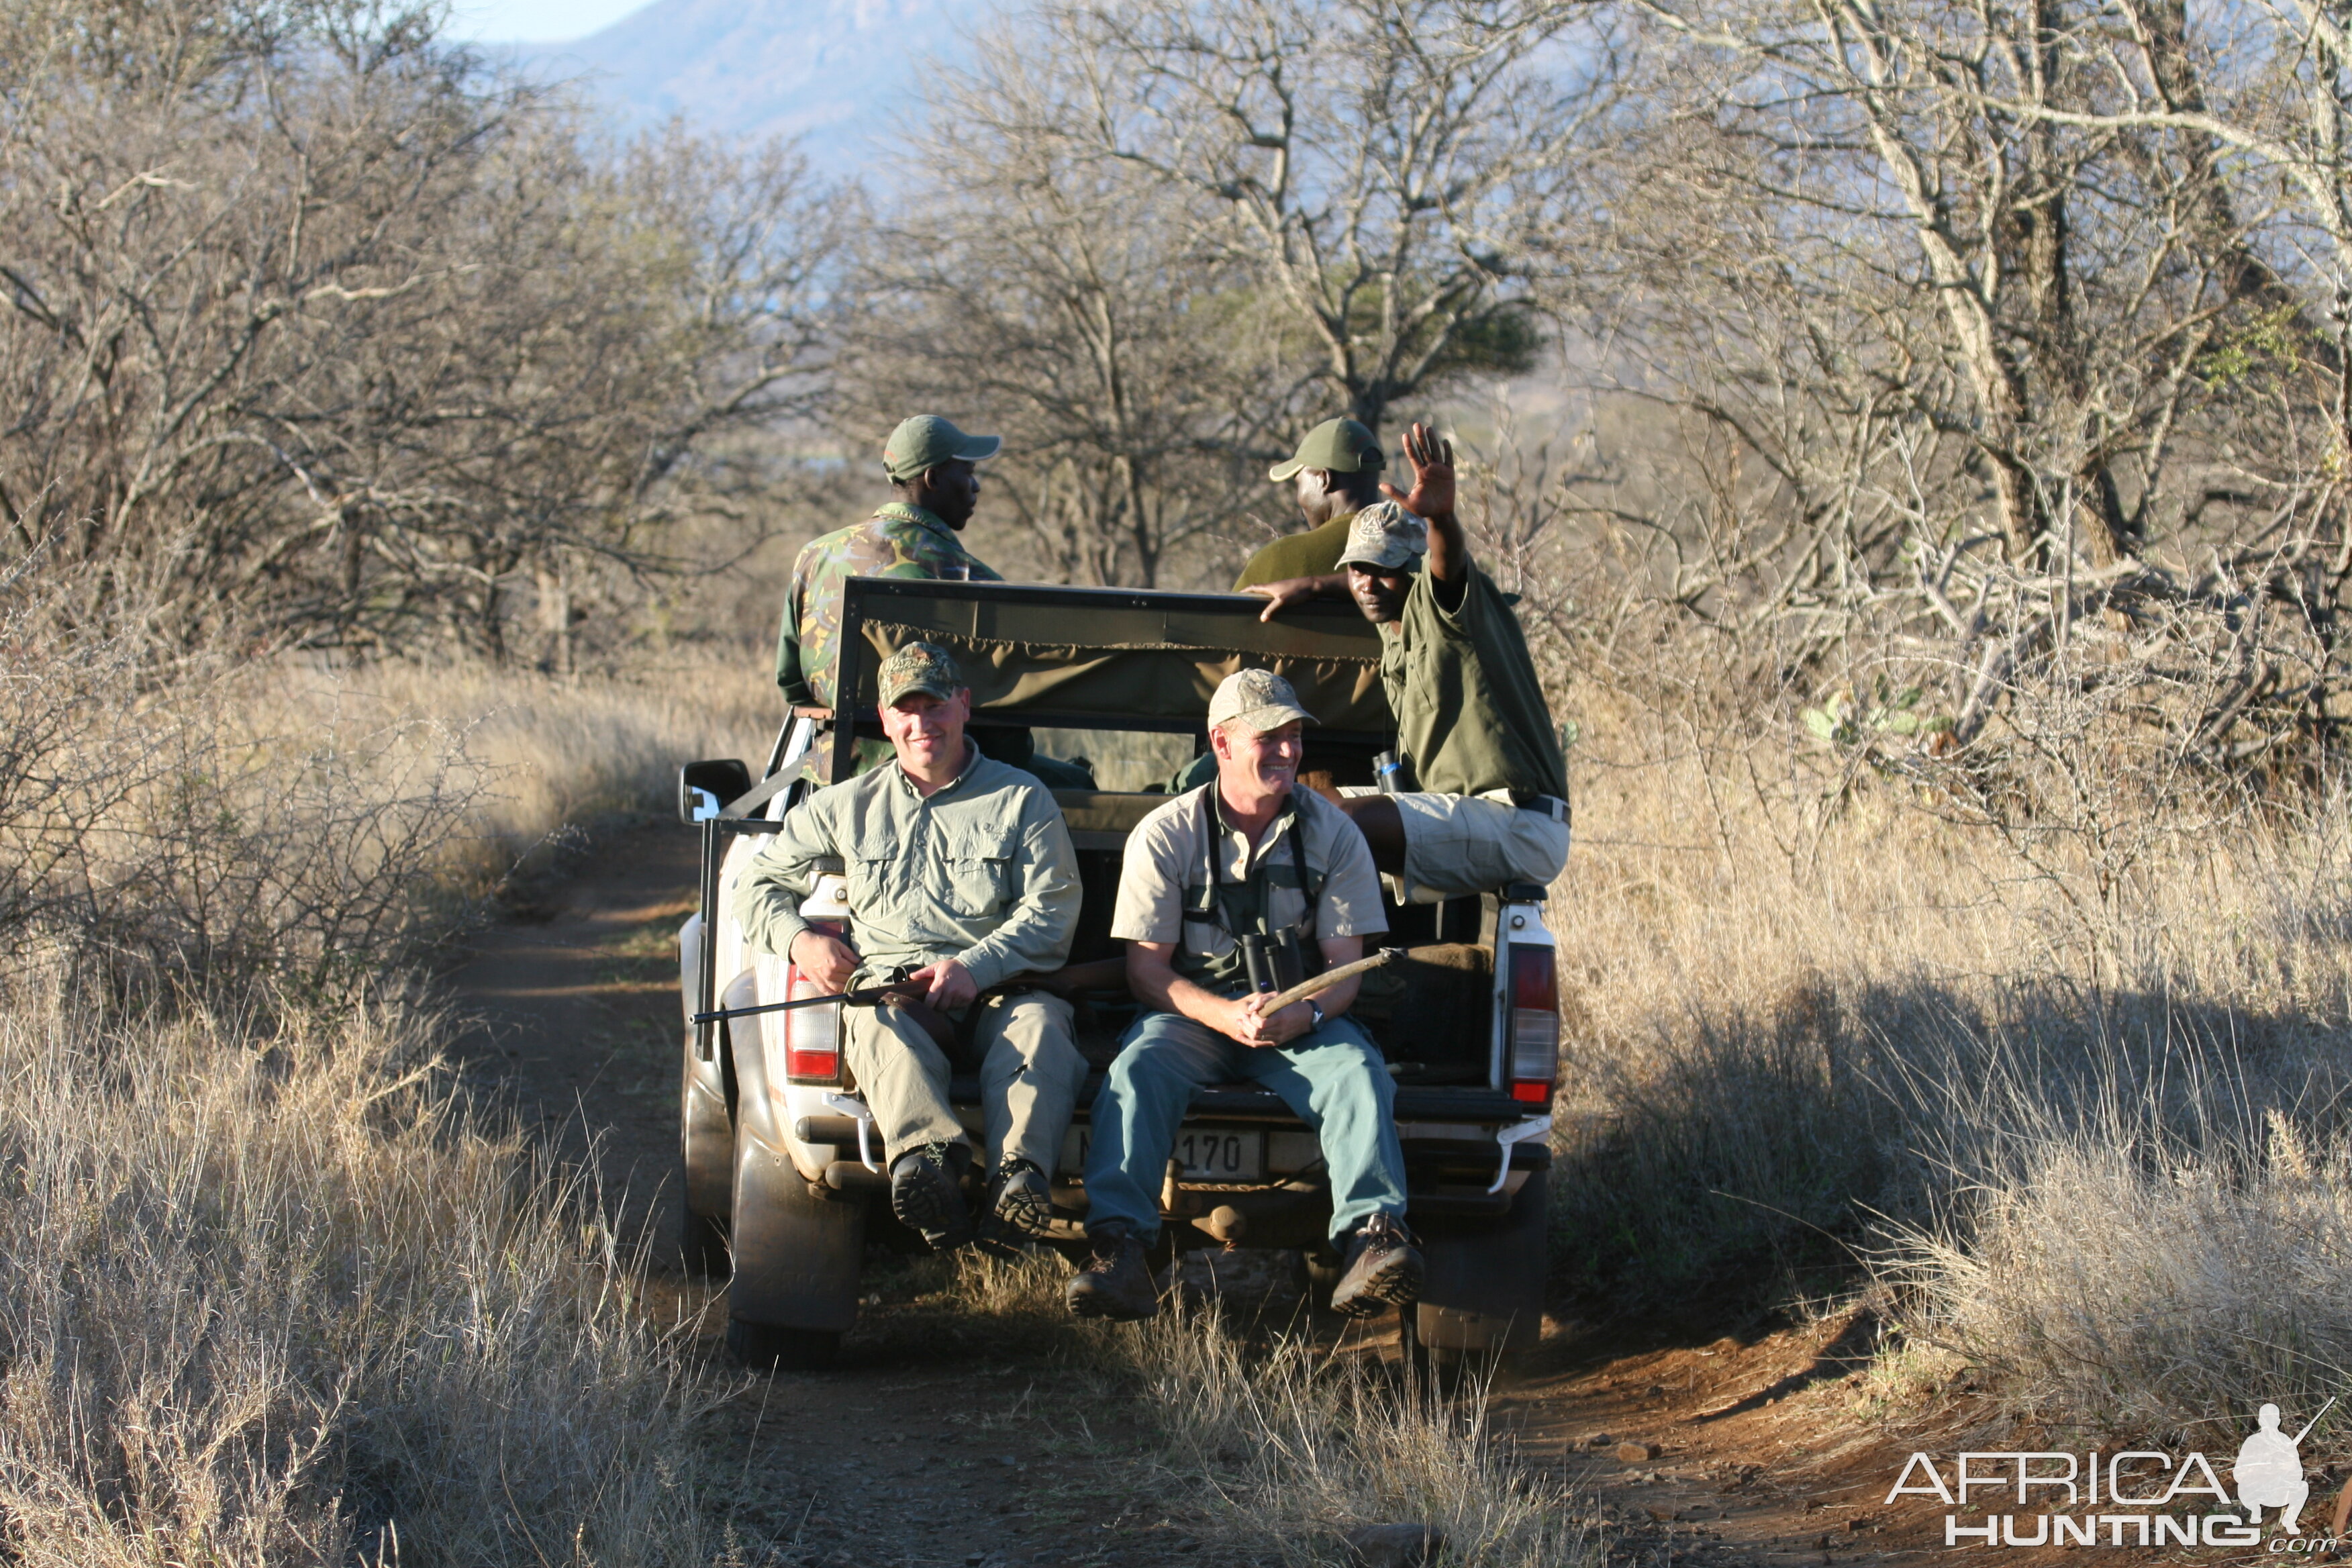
x=277, y=1297
x=2088, y=1115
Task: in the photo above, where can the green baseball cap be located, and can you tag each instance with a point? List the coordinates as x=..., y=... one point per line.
x=919, y=667
x=1335, y=446
x=923, y=443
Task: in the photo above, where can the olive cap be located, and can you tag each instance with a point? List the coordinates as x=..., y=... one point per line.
x=923, y=443
x=1257, y=699
x=1335, y=446
x=919, y=667
x=1386, y=537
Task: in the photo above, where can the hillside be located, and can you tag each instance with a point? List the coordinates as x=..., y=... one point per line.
x=841, y=74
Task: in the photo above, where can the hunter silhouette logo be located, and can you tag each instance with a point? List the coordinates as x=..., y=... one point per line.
x=2269, y=1471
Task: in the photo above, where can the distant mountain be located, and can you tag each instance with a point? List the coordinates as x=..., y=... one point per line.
x=841, y=74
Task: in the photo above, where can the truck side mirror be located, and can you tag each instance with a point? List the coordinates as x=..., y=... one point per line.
x=716, y=781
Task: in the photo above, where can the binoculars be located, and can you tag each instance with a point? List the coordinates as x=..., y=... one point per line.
x=1274, y=962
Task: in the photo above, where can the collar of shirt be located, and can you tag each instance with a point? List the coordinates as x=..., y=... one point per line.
x=970, y=761
x=902, y=512
x=1236, y=843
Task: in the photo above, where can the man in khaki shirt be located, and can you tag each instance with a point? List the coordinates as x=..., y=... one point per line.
x=959, y=870
x=1244, y=885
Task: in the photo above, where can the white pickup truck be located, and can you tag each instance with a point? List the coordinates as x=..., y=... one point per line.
x=783, y=1180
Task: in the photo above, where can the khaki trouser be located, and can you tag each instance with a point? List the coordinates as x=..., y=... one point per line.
x=1030, y=1074
x=1456, y=844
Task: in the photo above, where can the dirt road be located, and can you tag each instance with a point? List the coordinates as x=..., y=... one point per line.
x=938, y=1448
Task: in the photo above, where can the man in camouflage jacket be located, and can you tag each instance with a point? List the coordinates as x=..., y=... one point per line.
x=934, y=468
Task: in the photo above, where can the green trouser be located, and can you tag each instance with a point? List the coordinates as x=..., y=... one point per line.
x=1030, y=1074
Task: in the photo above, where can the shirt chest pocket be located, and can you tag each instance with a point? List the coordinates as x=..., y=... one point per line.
x=973, y=873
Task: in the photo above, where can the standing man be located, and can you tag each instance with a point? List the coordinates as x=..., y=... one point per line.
x=960, y=869
x=1246, y=863
x=1336, y=472
x=1489, y=801
x=934, y=466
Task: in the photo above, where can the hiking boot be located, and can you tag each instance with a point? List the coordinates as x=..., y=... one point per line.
x=1116, y=1283
x=927, y=1193
x=1021, y=1198
x=1382, y=1268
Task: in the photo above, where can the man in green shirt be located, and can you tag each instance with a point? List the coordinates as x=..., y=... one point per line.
x=1488, y=801
x=1336, y=471
x=961, y=871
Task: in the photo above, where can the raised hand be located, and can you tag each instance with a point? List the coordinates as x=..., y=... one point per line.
x=1431, y=457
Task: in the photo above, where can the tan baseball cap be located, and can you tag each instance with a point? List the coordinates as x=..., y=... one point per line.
x=1335, y=446
x=1257, y=699
x=919, y=667
x=1386, y=537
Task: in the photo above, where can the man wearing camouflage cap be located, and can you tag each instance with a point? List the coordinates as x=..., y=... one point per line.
x=1488, y=801
x=961, y=879
x=934, y=466
x=1335, y=473
x=1243, y=886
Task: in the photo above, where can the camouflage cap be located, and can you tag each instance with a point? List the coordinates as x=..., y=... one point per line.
x=1385, y=537
x=1257, y=699
x=1338, y=446
x=923, y=443
x=919, y=667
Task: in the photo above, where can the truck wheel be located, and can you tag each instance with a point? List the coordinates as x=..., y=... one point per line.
x=764, y=1347
x=702, y=1242
x=1483, y=1291
x=796, y=1259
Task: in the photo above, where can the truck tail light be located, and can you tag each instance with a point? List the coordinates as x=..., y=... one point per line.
x=812, y=1035
x=1534, y=1054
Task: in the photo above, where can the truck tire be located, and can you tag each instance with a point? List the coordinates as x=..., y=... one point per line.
x=706, y=1170
x=702, y=1245
x=1483, y=1292
x=796, y=1258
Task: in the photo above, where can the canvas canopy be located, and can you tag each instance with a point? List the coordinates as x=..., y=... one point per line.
x=1114, y=658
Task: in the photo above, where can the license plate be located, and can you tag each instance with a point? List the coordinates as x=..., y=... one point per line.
x=1203, y=1155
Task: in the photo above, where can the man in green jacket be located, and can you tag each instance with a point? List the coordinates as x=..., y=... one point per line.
x=934, y=468
x=959, y=870
x=1487, y=797
x=1336, y=471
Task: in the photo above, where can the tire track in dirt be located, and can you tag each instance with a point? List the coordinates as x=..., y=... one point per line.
x=930, y=1446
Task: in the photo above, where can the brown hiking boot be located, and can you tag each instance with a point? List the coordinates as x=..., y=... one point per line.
x=1382, y=1268
x=927, y=1193
x=1116, y=1283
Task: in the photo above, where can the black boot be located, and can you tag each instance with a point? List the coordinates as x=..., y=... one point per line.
x=1116, y=1283
x=1382, y=1268
x=927, y=1193
x=1021, y=1198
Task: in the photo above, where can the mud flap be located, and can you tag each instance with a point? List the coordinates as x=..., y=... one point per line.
x=1483, y=1288
x=796, y=1255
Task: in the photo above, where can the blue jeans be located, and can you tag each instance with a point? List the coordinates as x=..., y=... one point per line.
x=1332, y=1077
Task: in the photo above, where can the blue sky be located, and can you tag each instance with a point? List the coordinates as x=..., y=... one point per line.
x=534, y=21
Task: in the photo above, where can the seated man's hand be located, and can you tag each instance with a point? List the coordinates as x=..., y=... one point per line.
x=827, y=959
x=1278, y=1030
x=947, y=984
x=1289, y=591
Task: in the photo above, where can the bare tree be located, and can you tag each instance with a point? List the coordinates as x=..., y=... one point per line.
x=1080, y=309
x=324, y=332
x=1392, y=172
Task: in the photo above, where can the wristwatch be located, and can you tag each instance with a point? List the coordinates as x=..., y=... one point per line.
x=1314, y=1011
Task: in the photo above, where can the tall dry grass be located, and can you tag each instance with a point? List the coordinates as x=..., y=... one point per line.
x=274, y=1295
x=2077, y=1102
